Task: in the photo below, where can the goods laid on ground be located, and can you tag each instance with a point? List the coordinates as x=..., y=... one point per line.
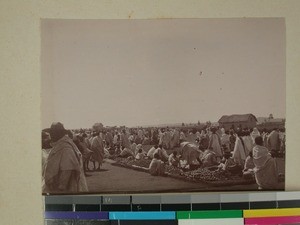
x=215, y=178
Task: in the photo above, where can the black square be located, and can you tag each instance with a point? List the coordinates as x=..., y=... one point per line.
x=87, y=208
x=176, y=207
x=205, y=206
x=114, y=208
x=289, y=204
x=234, y=205
x=58, y=207
x=146, y=207
x=263, y=205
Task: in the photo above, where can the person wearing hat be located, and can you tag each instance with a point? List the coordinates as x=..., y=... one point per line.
x=63, y=172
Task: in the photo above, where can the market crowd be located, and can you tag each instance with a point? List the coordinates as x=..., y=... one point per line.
x=68, y=154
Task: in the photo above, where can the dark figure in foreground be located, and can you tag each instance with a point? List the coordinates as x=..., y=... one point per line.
x=63, y=172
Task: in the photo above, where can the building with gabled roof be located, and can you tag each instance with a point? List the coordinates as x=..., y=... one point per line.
x=238, y=121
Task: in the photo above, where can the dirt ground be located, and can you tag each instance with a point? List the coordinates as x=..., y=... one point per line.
x=113, y=179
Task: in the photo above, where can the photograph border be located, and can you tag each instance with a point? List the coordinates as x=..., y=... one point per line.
x=21, y=44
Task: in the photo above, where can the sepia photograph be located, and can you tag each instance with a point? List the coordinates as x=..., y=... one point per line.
x=163, y=105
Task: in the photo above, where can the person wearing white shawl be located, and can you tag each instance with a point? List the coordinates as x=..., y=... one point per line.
x=248, y=142
x=273, y=140
x=133, y=147
x=266, y=173
x=198, y=134
x=124, y=139
x=239, y=153
x=225, y=138
x=163, y=155
x=255, y=133
x=202, y=134
x=182, y=137
x=150, y=153
x=138, y=147
x=215, y=143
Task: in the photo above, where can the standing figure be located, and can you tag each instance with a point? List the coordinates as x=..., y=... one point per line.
x=232, y=139
x=97, y=146
x=124, y=139
x=63, y=172
x=239, y=152
x=225, y=138
x=247, y=142
x=255, y=133
x=215, y=143
x=274, y=141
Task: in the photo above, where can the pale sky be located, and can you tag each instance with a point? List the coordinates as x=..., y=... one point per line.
x=149, y=72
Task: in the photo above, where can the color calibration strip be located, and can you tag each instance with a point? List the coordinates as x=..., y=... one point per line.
x=251, y=208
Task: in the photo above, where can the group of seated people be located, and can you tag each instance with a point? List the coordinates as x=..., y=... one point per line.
x=207, y=159
x=227, y=164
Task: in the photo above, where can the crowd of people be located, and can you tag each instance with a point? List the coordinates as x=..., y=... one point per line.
x=67, y=154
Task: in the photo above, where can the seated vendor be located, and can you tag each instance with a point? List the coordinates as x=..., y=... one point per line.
x=248, y=171
x=140, y=154
x=151, y=152
x=163, y=155
x=156, y=167
x=229, y=166
x=173, y=159
x=126, y=152
x=228, y=162
x=209, y=158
